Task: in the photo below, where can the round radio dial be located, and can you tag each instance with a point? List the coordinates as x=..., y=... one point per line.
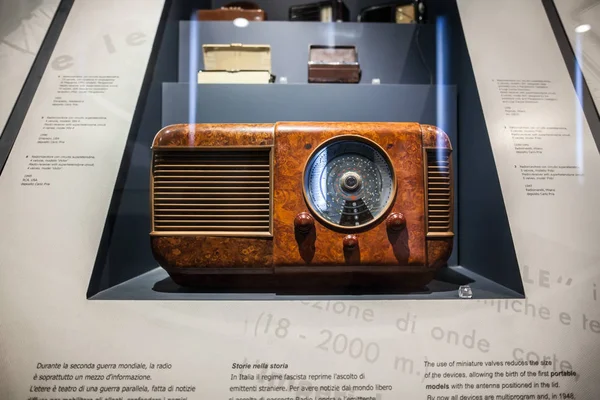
x=349, y=183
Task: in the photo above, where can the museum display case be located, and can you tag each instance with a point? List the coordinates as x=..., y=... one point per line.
x=211, y=75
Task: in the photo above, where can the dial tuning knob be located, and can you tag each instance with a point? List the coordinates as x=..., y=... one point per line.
x=304, y=222
x=396, y=222
x=350, y=242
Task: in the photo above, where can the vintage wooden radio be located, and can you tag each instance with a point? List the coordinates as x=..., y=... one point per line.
x=360, y=202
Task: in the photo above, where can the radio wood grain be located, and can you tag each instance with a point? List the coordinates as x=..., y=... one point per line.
x=296, y=243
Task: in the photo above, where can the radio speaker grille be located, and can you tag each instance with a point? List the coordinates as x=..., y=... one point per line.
x=439, y=191
x=212, y=191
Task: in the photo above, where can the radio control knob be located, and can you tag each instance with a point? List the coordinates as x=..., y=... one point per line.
x=304, y=222
x=350, y=242
x=396, y=222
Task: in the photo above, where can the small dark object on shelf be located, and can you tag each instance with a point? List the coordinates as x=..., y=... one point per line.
x=232, y=11
x=323, y=11
x=404, y=12
x=246, y=5
x=333, y=64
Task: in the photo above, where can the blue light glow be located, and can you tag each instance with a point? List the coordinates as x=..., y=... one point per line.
x=441, y=69
x=579, y=117
x=193, y=78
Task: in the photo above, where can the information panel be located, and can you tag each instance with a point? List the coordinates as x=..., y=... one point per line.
x=24, y=26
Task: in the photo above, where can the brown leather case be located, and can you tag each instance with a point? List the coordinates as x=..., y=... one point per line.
x=228, y=200
x=333, y=64
x=230, y=14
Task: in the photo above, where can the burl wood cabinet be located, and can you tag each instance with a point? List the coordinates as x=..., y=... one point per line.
x=325, y=201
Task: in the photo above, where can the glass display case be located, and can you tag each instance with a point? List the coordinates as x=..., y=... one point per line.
x=336, y=77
